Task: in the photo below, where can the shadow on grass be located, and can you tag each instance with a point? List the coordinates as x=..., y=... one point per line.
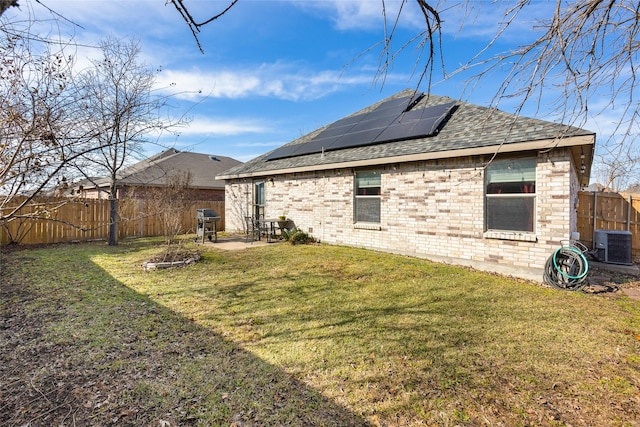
x=80, y=348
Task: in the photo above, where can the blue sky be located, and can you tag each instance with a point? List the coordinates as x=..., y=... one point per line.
x=272, y=71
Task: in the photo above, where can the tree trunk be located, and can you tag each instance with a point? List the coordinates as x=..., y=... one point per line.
x=113, y=221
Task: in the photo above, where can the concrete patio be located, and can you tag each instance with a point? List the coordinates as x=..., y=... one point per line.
x=238, y=242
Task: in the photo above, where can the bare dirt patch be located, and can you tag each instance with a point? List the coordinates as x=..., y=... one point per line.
x=172, y=257
x=605, y=280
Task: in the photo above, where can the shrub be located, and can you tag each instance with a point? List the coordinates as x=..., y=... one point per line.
x=297, y=235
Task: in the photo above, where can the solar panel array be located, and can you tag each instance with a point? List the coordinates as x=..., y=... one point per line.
x=391, y=121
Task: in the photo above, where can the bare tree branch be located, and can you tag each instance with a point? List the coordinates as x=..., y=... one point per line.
x=191, y=22
x=6, y=4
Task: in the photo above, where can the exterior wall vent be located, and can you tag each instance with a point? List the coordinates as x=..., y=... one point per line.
x=613, y=246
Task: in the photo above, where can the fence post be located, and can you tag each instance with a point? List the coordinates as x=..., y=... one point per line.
x=595, y=219
x=630, y=200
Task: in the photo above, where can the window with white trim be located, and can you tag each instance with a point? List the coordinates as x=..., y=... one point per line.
x=258, y=199
x=510, y=195
x=367, y=196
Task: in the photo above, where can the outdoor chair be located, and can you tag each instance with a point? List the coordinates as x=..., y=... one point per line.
x=252, y=230
x=263, y=228
x=256, y=229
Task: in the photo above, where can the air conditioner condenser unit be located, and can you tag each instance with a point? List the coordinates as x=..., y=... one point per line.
x=613, y=246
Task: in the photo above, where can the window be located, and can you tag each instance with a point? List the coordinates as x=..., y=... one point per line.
x=258, y=199
x=367, y=198
x=511, y=195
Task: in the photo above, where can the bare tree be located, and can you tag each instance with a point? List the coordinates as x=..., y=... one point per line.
x=170, y=202
x=39, y=141
x=119, y=100
x=618, y=169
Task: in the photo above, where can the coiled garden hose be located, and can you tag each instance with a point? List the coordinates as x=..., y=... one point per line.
x=566, y=269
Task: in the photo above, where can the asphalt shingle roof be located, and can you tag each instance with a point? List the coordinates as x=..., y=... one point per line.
x=469, y=126
x=155, y=170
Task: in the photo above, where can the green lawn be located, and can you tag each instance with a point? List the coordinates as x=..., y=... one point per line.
x=304, y=335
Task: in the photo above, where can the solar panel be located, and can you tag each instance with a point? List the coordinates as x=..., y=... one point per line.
x=315, y=146
x=435, y=112
x=347, y=121
x=367, y=129
x=375, y=123
x=392, y=120
x=282, y=152
x=411, y=116
x=400, y=103
x=335, y=131
x=393, y=133
x=377, y=114
x=327, y=138
x=355, y=139
x=416, y=123
x=404, y=103
x=415, y=98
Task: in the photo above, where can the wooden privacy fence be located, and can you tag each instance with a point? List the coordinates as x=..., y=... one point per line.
x=88, y=219
x=609, y=211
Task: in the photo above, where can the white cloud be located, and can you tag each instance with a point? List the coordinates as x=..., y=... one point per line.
x=223, y=127
x=359, y=14
x=463, y=19
x=132, y=17
x=486, y=20
x=282, y=81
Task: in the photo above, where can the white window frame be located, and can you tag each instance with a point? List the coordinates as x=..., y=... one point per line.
x=367, y=181
x=515, y=174
x=259, y=198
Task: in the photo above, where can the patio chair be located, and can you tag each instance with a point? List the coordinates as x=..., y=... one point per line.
x=263, y=229
x=251, y=229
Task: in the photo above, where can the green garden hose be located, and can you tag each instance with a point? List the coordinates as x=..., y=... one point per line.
x=566, y=269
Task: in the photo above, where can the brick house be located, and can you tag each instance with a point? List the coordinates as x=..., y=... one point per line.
x=137, y=180
x=426, y=176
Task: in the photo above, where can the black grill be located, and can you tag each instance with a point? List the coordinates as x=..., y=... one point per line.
x=206, y=214
x=207, y=224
